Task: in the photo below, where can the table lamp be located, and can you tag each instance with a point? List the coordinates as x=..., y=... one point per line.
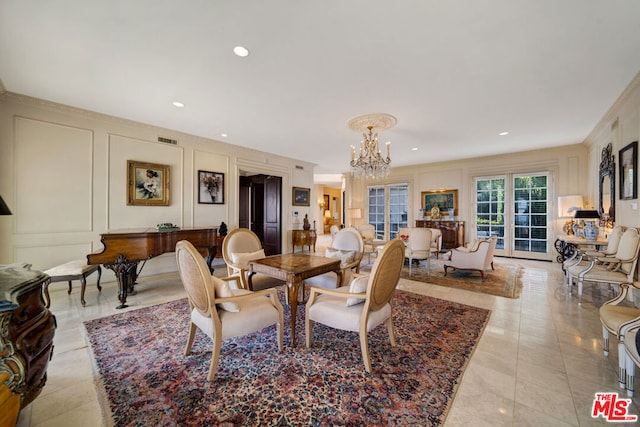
x=567, y=206
x=589, y=229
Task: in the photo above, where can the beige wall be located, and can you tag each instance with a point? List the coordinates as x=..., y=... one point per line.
x=568, y=168
x=63, y=174
x=620, y=126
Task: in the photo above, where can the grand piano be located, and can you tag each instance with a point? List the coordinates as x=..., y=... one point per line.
x=124, y=249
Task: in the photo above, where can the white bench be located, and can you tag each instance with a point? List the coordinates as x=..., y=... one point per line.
x=73, y=270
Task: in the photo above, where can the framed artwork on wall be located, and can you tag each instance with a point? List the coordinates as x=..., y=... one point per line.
x=147, y=184
x=443, y=199
x=211, y=187
x=628, y=160
x=326, y=202
x=300, y=196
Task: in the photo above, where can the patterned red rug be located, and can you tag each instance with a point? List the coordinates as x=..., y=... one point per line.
x=148, y=380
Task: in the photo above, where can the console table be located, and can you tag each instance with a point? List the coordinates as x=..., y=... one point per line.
x=566, y=246
x=452, y=231
x=27, y=328
x=303, y=238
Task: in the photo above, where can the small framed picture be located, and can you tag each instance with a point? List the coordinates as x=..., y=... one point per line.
x=147, y=184
x=211, y=187
x=628, y=159
x=301, y=196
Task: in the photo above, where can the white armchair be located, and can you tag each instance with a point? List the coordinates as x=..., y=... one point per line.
x=584, y=257
x=436, y=238
x=364, y=304
x=418, y=246
x=630, y=355
x=617, y=269
x=436, y=241
x=478, y=256
x=239, y=247
x=615, y=318
x=372, y=240
x=219, y=311
x=348, y=247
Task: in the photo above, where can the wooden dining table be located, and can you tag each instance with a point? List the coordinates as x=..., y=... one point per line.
x=293, y=269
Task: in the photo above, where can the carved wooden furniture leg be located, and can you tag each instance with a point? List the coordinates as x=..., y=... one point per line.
x=72, y=270
x=293, y=288
x=125, y=271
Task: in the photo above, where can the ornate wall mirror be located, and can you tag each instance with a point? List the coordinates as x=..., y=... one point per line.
x=607, y=205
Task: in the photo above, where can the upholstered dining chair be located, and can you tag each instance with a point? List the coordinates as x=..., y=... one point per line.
x=615, y=318
x=436, y=241
x=584, y=256
x=363, y=305
x=239, y=247
x=478, y=256
x=347, y=246
x=436, y=238
x=418, y=246
x=613, y=270
x=372, y=240
x=219, y=311
x=631, y=355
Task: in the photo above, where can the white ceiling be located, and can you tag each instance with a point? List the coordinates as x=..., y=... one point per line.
x=454, y=73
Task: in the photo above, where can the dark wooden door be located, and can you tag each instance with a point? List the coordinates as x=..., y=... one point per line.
x=272, y=215
x=244, y=203
x=260, y=210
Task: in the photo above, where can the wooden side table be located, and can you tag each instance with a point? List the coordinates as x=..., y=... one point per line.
x=303, y=238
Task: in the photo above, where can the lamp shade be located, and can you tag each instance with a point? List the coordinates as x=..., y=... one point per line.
x=587, y=214
x=567, y=205
x=355, y=213
x=327, y=213
x=4, y=209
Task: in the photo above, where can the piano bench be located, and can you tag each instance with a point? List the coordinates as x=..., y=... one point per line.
x=73, y=270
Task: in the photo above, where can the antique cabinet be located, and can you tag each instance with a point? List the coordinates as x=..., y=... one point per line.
x=303, y=238
x=452, y=231
x=27, y=328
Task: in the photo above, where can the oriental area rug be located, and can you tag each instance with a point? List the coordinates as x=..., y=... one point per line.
x=504, y=281
x=147, y=379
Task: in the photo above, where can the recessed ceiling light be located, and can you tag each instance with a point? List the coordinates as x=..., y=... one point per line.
x=414, y=149
x=224, y=135
x=178, y=104
x=241, y=51
x=503, y=133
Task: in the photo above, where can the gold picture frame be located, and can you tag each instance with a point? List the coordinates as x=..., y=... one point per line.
x=147, y=184
x=444, y=199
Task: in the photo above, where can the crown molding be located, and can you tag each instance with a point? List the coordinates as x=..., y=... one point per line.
x=159, y=131
x=612, y=113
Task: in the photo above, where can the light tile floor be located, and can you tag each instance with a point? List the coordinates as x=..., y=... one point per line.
x=538, y=363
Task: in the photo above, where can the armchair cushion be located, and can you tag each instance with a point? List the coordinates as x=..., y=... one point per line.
x=223, y=290
x=241, y=260
x=358, y=286
x=344, y=256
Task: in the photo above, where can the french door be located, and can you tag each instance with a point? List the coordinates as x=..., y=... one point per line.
x=515, y=209
x=388, y=207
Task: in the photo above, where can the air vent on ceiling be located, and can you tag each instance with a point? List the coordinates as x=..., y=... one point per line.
x=299, y=167
x=168, y=140
x=614, y=125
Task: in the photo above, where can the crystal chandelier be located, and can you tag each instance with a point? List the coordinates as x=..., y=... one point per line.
x=369, y=163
